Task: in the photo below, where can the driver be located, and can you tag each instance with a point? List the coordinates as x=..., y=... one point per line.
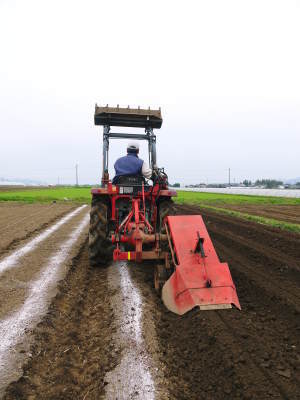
x=131, y=164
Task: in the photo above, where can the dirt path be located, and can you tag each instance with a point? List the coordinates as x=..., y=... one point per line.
x=107, y=328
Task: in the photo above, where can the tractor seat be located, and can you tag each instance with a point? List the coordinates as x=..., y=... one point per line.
x=130, y=180
x=131, y=184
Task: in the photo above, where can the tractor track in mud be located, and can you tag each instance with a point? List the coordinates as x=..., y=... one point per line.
x=229, y=354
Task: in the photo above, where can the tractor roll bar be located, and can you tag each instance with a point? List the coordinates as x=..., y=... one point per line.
x=128, y=117
x=115, y=135
x=149, y=136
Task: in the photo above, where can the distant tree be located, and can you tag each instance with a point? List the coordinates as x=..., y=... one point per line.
x=268, y=183
x=176, y=185
x=247, y=183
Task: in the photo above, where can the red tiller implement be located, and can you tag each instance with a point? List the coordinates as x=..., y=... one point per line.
x=199, y=279
x=133, y=220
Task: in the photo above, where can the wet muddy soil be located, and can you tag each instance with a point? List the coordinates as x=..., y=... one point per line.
x=21, y=266
x=20, y=221
x=29, y=275
x=79, y=347
x=73, y=348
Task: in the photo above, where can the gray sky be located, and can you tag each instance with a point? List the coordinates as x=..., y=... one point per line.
x=225, y=73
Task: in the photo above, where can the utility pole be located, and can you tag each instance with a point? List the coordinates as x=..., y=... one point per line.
x=229, y=176
x=76, y=167
x=58, y=181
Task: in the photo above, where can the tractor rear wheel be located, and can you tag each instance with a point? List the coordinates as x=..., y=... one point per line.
x=100, y=247
x=161, y=273
x=166, y=207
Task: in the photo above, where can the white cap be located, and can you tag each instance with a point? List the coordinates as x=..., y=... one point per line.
x=133, y=145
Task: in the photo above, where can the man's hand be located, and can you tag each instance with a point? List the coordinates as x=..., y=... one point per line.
x=154, y=175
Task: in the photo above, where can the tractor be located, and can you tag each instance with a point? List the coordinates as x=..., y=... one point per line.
x=133, y=219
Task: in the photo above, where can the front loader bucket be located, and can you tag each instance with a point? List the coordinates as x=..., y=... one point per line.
x=200, y=279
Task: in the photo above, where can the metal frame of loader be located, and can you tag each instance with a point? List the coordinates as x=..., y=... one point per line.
x=188, y=272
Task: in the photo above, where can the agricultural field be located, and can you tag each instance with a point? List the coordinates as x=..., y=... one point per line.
x=69, y=331
x=280, y=212
x=46, y=195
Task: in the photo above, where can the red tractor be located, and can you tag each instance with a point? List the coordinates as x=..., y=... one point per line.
x=133, y=220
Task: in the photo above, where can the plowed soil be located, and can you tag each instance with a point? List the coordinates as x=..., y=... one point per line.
x=287, y=213
x=73, y=349
x=20, y=221
x=231, y=354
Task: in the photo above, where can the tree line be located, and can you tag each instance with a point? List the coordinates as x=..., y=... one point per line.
x=267, y=183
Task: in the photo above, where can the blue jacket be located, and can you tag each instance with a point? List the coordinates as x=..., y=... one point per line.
x=128, y=165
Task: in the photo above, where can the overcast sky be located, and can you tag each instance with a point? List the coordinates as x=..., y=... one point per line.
x=225, y=73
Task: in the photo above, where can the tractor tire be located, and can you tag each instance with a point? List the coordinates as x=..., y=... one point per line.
x=166, y=207
x=161, y=273
x=100, y=247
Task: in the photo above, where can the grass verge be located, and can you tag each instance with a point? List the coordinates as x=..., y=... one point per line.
x=45, y=195
x=218, y=199
x=256, y=218
x=213, y=201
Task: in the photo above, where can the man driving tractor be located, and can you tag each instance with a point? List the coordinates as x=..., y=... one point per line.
x=131, y=164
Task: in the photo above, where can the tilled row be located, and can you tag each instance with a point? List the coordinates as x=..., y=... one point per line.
x=283, y=243
x=72, y=350
x=248, y=354
x=28, y=281
x=23, y=265
x=206, y=357
x=21, y=222
x=286, y=213
x=260, y=345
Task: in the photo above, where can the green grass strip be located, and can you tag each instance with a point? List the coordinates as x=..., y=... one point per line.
x=211, y=201
x=80, y=195
x=220, y=199
x=256, y=218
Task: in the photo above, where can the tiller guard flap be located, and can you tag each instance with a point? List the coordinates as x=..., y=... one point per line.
x=200, y=279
